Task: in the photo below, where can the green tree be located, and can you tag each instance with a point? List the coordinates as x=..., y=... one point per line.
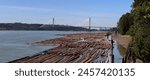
x=140, y=15
x=124, y=23
x=141, y=43
x=138, y=26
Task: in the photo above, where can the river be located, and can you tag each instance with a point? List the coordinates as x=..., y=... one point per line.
x=17, y=44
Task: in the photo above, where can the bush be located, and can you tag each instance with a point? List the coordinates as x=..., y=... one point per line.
x=141, y=43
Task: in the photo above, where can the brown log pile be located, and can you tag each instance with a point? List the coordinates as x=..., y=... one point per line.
x=72, y=48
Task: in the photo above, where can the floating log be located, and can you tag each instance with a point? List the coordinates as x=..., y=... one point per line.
x=72, y=48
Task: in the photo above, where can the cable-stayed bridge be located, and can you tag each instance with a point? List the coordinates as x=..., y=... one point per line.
x=87, y=24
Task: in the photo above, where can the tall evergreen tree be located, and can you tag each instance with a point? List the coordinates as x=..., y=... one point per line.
x=139, y=29
x=124, y=23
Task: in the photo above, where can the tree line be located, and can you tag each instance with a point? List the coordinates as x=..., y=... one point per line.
x=137, y=24
x=25, y=26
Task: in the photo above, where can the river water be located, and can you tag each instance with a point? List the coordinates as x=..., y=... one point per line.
x=17, y=44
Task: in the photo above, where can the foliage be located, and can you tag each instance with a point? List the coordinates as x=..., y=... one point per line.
x=141, y=43
x=25, y=26
x=139, y=29
x=124, y=23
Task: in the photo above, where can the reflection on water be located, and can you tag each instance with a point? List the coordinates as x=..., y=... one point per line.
x=117, y=55
x=122, y=50
x=116, y=51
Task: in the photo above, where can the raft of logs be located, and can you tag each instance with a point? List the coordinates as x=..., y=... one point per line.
x=72, y=48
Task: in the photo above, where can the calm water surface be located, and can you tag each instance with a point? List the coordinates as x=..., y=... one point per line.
x=17, y=44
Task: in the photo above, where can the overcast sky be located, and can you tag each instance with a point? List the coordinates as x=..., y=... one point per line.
x=67, y=12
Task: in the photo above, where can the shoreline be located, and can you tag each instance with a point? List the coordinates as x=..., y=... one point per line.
x=123, y=40
x=91, y=47
x=124, y=44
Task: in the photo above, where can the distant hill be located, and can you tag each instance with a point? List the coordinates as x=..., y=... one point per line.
x=25, y=26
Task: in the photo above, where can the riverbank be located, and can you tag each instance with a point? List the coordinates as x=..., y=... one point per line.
x=123, y=45
x=91, y=47
x=123, y=40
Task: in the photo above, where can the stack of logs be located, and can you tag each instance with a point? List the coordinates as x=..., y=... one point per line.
x=72, y=48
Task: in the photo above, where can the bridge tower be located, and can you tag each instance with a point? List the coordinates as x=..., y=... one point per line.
x=89, y=23
x=53, y=22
